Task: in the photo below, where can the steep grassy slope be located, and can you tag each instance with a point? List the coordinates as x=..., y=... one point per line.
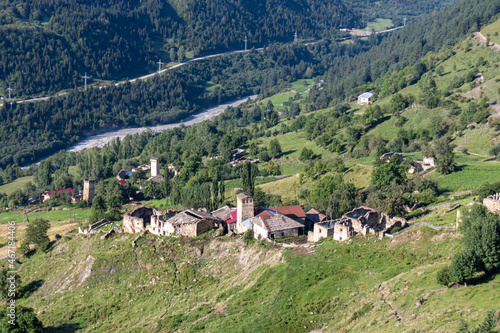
x=219, y=284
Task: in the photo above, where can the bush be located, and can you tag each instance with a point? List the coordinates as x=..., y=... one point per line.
x=443, y=276
x=306, y=154
x=248, y=236
x=463, y=266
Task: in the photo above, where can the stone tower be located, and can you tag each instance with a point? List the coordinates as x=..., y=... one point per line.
x=245, y=209
x=155, y=167
x=88, y=190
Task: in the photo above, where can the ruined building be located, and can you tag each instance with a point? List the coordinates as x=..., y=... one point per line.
x=189, y=223
x=362, y=220
x=88, y=190
x=138, y=220
x=492, y=203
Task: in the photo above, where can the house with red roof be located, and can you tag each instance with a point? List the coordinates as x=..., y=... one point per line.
x=266, y=222
x=51, y=194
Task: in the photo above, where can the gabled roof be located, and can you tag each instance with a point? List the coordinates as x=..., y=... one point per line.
x=200, y=214
x=157, y=179
x=365, y=95
x=315, y=215
x=233, y=217
x=277, y=223
x=223, y=213
x=294, y=211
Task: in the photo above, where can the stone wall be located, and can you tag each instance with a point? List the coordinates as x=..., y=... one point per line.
x=98, y=224
x=323, y=230
x=492, y=203
x=259, y=232
x=284, y=233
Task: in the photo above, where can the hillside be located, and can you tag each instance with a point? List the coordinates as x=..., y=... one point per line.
x=221, y=284
x=47, y=45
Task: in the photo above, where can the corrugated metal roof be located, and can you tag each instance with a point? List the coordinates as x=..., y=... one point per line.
x=366, y=95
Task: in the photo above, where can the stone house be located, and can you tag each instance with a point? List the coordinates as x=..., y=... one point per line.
x=228, y=215
x=343, y=230
x=321, y=230
x=189, y=223
x=139, y=219
x=492, y=203
x=275, y=226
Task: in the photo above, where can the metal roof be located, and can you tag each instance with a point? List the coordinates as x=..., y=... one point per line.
x=366, y=95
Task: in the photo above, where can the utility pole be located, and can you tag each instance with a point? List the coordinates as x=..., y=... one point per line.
x=159, y=65
x=404, y=20
x=9, y=89
x=85, y=77
x=246, y=43
x=296, y=36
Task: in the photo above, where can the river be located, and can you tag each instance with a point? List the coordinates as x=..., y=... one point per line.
x=99, y=140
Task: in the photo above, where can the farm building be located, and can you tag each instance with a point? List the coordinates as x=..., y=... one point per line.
x=365, y=98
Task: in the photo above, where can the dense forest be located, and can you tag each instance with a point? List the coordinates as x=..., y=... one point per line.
x=32, y=130
x=46, y=45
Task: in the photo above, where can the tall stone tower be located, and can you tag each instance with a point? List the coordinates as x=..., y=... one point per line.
x=88, y=190
x=245, y=209
x=155, y=166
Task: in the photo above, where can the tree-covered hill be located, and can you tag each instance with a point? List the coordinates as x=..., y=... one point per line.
x=46, y=45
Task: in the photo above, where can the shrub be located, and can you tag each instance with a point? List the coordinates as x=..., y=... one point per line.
x=443, y=276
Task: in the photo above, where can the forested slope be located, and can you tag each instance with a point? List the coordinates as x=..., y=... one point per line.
x=46, y=45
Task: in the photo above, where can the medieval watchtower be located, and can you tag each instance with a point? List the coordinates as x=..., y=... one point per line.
x=245, y=209
x=88, y=190
x=155, y=166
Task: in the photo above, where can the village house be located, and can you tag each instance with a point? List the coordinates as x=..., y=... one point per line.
x=365, y=98
x=275, y=226
x=51, y=194
x=266, y=223
x=228, y=215
x=362, y=220
x=189, y=223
